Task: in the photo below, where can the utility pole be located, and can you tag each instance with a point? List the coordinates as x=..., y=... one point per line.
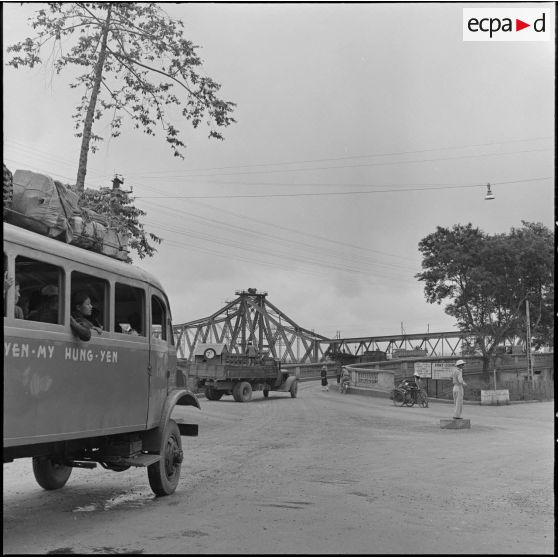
x=528, y=345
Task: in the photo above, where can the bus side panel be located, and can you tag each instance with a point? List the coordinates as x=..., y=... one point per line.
x=59, y=388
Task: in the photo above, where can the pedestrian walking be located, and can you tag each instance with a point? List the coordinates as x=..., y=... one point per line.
x=458, y=383
x=323, y=375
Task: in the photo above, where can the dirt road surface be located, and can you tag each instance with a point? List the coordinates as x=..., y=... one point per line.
x=324, y=473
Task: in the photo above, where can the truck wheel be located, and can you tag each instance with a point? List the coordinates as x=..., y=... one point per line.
x=245, y=391
x=50, y=475
x=165, y=474
x=294, y=389
x=236, y=393
x=212, y=394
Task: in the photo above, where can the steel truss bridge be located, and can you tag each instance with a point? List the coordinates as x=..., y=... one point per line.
x=252, y=318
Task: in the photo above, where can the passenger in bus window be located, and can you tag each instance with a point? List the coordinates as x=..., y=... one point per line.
x=134, y=319
x=81, y=314
x=48, y=308
x=8, y=282
x=18, y=312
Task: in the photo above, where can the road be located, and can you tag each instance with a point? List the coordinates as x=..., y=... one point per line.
x=324, y=473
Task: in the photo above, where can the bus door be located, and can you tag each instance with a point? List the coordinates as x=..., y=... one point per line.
x=162, y=357
x=110, y=371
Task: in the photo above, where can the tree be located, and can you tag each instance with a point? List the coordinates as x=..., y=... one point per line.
x=133, y=57
x=487, y=280
x=117, y=206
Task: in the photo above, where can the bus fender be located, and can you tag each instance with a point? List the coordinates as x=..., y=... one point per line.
x=152, y=438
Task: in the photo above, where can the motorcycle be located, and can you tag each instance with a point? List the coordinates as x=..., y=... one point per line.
x=344, y=386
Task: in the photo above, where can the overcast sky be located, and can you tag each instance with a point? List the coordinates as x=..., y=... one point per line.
x=361, y=128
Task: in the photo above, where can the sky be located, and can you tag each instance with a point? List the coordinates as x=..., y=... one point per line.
x=360, y=129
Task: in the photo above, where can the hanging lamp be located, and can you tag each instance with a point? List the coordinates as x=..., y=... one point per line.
x=489, y=195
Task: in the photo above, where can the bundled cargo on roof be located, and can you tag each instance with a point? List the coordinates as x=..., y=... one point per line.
x=48, y=207
x=43, y=205
x=8, y=190
x=93, y=232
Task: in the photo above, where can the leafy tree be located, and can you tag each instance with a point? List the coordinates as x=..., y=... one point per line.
x=116, y=205
x=133, y=57
x=486, y=281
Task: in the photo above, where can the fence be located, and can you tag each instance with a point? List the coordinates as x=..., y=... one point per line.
x=523, y=390
x=368, y=377
x=312, y=371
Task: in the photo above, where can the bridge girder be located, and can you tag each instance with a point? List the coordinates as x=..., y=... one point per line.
x=252, y=318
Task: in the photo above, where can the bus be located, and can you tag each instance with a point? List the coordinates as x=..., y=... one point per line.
x=108, y=400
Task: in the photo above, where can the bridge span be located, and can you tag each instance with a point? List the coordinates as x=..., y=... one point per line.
x=251, y=317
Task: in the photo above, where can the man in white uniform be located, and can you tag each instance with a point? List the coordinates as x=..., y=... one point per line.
x=458, y=383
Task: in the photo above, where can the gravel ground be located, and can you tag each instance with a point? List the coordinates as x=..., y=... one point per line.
x=324, y=473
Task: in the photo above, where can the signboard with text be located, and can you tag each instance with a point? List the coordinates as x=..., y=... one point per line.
x=434, y=370
x=442, y=370
x=423, y=369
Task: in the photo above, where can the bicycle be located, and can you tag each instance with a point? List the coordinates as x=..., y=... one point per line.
x=409, y=396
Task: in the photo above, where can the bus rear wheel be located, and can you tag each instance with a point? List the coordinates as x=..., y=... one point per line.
x=49, y=474
x=165, y=474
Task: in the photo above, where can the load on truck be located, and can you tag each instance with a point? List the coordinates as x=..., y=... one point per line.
x=218, y=372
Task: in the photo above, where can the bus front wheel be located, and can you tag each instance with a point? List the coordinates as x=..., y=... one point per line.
x=49, y=474
x=165, y=474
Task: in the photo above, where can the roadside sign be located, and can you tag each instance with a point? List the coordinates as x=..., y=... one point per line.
x=423, y=369
x=434, y=370
x=442, y=370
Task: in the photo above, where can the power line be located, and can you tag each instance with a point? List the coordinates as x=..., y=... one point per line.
x=305, y=234
x=322, y=194
x=255, y=234
x=164, y=175
x=360, y=165
x=331, y=263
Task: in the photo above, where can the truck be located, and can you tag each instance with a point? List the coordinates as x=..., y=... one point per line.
x=218, y=372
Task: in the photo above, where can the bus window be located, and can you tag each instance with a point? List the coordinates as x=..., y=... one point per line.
x=98, y=290
x=129, y=310
x=158, y=318
x=41, y=289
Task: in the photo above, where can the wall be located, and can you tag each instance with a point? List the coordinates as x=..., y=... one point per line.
x=511, y=374
x=377, y=380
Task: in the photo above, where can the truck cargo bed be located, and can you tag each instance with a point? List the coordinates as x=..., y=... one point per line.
x=229, y=371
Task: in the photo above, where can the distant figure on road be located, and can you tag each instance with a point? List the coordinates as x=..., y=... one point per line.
x=458, y=383
x=323, y=375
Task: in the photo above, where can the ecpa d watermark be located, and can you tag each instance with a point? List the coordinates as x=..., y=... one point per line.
x=507, y=24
